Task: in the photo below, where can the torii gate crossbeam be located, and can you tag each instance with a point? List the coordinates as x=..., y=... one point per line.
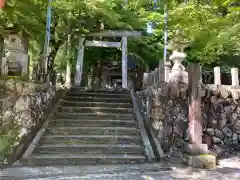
x=122, y=44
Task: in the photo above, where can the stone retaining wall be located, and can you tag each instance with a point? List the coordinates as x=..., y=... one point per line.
x=23, y=112
x=168, y=111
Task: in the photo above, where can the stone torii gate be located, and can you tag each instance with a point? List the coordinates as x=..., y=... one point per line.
x=122, y=45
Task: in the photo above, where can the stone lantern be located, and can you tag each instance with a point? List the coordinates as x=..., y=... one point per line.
x=178, y=72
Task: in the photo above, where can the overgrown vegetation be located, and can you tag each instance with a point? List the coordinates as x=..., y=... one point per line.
x=209, y=28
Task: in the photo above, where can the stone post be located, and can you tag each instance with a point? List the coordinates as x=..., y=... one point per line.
x=4, y=67
x=217, y=76
x=200, y=74
x=156, y=75
x=145, y=80
x=196, y=152
x=161, y=71
x=194, y=90
x=151, y=78
x=24, y=59
x=235, y=78
x=124, y=63
x=149, y=102
x=89, y=85
x=167, y=70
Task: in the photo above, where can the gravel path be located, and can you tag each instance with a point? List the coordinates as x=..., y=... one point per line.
x=228, y=169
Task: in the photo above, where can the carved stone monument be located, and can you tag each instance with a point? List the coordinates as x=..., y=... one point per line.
x=15, y=60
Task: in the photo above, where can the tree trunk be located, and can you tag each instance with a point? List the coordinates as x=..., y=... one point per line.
x=54, y=51
x=52, y=56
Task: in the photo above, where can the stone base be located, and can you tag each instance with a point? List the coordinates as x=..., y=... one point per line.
x=196, y=149
x=205, y=161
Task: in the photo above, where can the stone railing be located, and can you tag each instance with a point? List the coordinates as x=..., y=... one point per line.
x=165, y=100
x=25, y=108
x=178, y=73
x=140, y=119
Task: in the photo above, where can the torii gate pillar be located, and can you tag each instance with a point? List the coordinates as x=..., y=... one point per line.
x=122, y=45
x=79, y=65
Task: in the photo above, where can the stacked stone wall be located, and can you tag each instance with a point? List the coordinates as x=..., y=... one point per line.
x=167, y=107
x=24, y=109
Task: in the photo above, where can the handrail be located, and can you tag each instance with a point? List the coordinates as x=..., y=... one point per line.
x=156, y=144
x=146, y=141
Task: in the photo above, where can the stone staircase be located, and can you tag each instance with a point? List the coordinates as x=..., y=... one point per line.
x=90, y=128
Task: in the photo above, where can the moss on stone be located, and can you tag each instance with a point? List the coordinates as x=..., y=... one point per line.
x=6, y=146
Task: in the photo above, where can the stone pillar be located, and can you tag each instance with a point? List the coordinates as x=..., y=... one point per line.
x=161, y=71
x=4, y=67
x=167, y=70
x=24, y=61
x=196, y=153
x=79, y=65
x=145, y=80
x=156, y=75
x=235, y=78
x=124, y=63
x=217, y=75
x=151, y=78
x=178, y=73
x=89, y=85
x=194, y=92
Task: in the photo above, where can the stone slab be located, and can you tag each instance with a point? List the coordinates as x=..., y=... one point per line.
x=155, y=171
x=204, y=161
x=196, y=149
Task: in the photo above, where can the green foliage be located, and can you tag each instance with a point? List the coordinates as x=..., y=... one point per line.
x=7, y=143
x=209, y=28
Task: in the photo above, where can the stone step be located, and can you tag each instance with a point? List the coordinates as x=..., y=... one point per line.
x=72, y=109
x=92, y=123
x=74, y=89
x=77, y=88
x=89, y=149
x=93, y=130
x=98, y=99
x=66, y=159
x=90, y=139
x=95, y=104
x=94, y=94
x=93, y=115
x=152, y=171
